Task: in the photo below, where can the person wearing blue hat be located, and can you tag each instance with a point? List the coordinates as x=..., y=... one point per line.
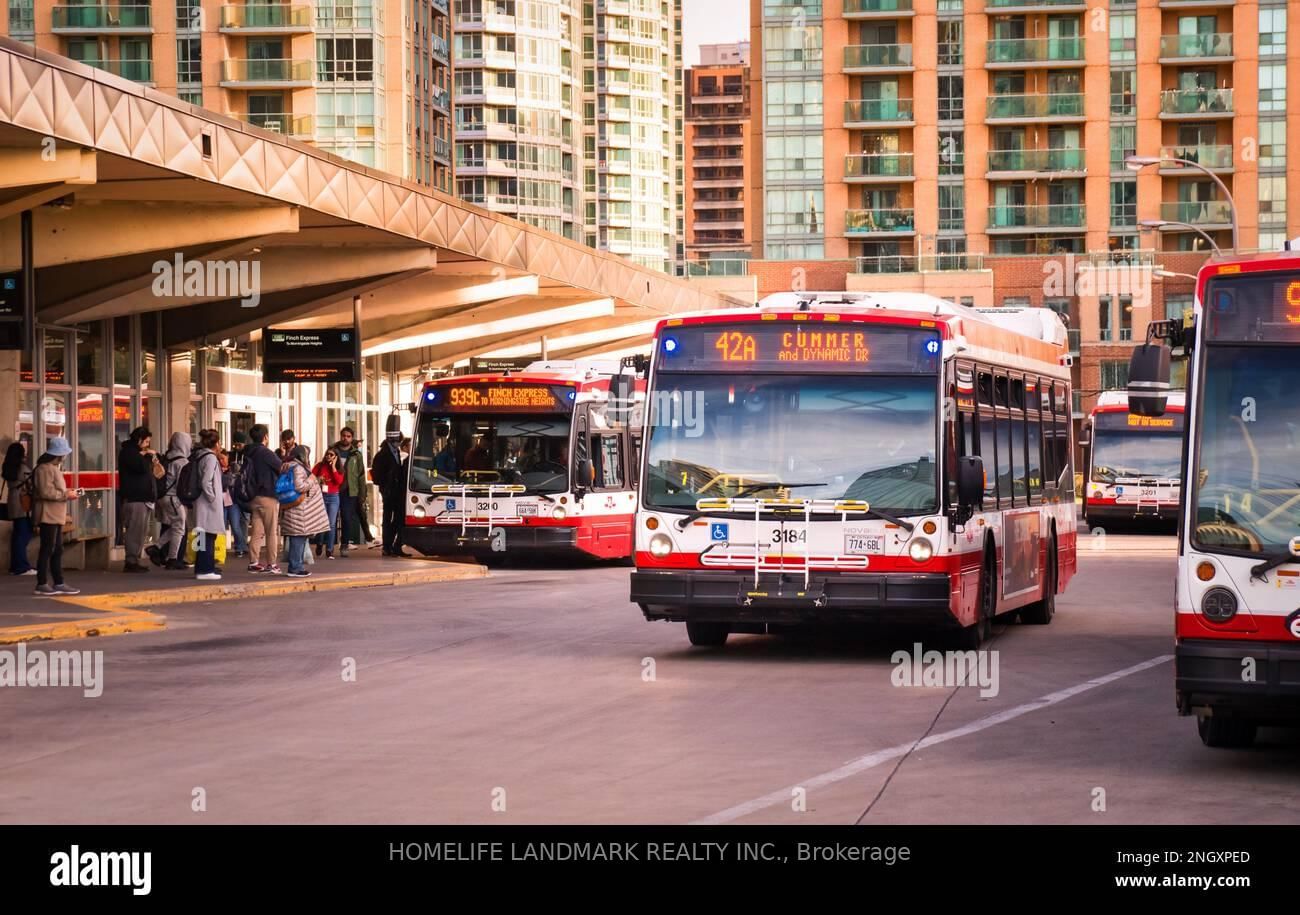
x=51, y=514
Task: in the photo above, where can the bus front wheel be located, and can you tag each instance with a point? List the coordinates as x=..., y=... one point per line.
x=1223, y=732
x=1040, y=612
x=707, y=635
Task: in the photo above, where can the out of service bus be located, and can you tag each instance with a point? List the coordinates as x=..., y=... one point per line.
x=852, y=457
x=539, y=460
x=1237, y=613
x=1134, y=463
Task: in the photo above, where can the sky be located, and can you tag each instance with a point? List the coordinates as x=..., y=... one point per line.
x=712, y=22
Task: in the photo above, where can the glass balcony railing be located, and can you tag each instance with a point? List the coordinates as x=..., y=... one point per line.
x=1045, y=4
x=1034, y=106
x=881, y=220
x=1194, y=47
x=1036, y=160
x=925, y=263
x=894, y=109
x=876, y=6
x=866, y=56
x=1196, y=101
x=1045, y=216
x=105, y=18
x=236, y=70
x=283, y=123
x=1197, y=212
x=879, y=165
x=440, y=97
x=140, y=71
x=440, y=47
x=275, y=16
x=717, y=266
x=1208, y=156
x=1034, y=50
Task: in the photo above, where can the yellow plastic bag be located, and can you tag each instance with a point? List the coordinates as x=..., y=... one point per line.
x=191, y=550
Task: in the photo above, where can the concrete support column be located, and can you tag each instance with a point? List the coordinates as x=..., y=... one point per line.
x=9, y=365
x=178, y=394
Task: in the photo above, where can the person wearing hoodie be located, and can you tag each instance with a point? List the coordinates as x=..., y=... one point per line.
x=171, y=513
x=17, y=470
x=307, y=517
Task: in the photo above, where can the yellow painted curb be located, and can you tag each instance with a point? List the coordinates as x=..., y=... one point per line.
x=122, y=613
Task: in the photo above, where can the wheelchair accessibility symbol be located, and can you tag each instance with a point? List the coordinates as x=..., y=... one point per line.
x=718, y=531
x=451, y=505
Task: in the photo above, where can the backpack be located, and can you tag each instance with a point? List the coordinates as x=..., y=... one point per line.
x=286, y=493
x=189, y=485
x=168, y=487
x=232, y=481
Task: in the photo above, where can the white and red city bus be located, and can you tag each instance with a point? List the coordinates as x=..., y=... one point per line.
x=539, y=460
x=1237, y=615
x=856, y=457
x=1135, y=463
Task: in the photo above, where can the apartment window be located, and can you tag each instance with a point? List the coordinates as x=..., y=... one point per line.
x=1272, y=144
x=950, y=43
x=1123, y=203
x=1105, y=313
x=1123, y=89
x=1061, y=307
x=1272, y=198
x=189, y=16
x=952, y=152
x=1272, y=87
x=1123, y=38
x=1015, y=301
x=952, y=206
x=1272, y=31
x=792, y=49
x=1177, y=304
x=1125, y=318
x=189, y=64
x=191, y=96
x=345, y=59
x=1272, y=239
x=952, y=98
x=1114, y=374
x=1123, y=143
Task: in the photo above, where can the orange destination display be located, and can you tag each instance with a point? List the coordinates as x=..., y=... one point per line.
x=791, y=346
x=495, y=397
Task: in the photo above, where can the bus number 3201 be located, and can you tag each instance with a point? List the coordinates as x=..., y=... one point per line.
x=488, y=506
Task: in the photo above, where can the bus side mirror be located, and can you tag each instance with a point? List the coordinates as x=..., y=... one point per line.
x=970, y=482
x=586, y=474
x=1148, y=379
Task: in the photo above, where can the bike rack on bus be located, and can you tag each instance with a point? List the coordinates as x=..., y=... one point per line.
x=785, y=511
x=472, y=491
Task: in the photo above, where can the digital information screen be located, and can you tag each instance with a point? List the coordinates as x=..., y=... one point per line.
x=11, y=311
x=820, y=346
x=327, y=354
x=495, y=397
x=1131, y=422
x=1253, y=307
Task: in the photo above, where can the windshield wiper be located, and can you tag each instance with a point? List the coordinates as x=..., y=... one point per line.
x=1268, y=565
x=886, y=516
x=742, y=492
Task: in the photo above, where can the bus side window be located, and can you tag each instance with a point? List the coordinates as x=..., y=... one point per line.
x=607, y=452
x=1006, y=466
x=1034, y=471
x=988, y=452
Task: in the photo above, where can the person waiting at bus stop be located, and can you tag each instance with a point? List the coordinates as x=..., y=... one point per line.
x=386, y=471
x=138, y=472
x=51, y=509
x=17, y=471
x=305, y=518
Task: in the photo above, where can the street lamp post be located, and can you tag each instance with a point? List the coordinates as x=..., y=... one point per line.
x=1137, y=163
x=1172, y=275
x=1162, y=223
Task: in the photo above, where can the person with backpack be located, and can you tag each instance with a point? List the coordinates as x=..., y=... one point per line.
x=302, y=509
x=17, y=482
x=261, y=471
x=51, y=514
x=139, y=472
x=236, y=495
x=170, y=512
x=200, y=490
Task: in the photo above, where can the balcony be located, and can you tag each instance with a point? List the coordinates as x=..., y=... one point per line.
x=440, y=98
x=1015, y=53
x=139, y=71
x=877, y=58
x=1036, y=6
x=925, y=263
x=1193, y=4
x=238, y=73
x=87, y=20
x=1046, y=217
x=441, y=149
x=877, y=9
x=1009, y=163
x=717, y=266
x=1215, y=158
x=299, y=127
x=1208, y=48
x=878, y=112
x=1063, y=107
x=887, y=167
x=883, y=221
x=266, y=19
x=1200, y=213
x=1195, y=104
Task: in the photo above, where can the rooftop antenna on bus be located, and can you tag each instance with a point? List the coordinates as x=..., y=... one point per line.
x=805, y=304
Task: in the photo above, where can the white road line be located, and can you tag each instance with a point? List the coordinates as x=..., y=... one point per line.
x=871, y=760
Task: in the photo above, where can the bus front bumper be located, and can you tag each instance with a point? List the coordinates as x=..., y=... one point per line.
x=444, y=540
x=1212, y=674
x=680, y=595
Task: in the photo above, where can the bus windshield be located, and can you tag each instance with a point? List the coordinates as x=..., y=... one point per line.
x=866, y=437
x=1136, y=455
x=531, y=450
x=1248, y=459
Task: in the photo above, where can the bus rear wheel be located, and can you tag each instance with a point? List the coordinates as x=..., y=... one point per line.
x=1228, y=733
x=707, y=635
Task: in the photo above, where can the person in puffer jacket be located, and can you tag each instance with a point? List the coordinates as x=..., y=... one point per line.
x=170, y=512
x=307, y=518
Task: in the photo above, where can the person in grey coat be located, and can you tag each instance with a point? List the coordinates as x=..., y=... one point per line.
x=209, y=511
x=304, y=518
x=170, y=511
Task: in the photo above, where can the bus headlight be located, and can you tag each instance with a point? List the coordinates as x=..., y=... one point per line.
x=920, y=550
x=418, y=511
x=559, y=513
x=660, y=546
x=1219, y=604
